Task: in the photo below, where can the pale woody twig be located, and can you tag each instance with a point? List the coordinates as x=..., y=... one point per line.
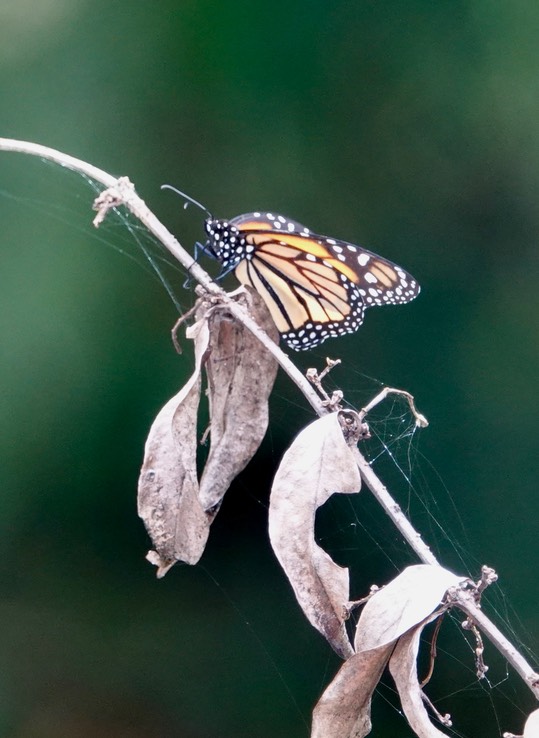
x=332, y=403
x=351, y=606
x=420, y=420
x=480, y=667
x=444, y=719
x=121, y=191
x=465, y=601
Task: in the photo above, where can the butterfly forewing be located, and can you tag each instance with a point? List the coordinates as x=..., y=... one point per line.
x=315, y=287
x=267, y=221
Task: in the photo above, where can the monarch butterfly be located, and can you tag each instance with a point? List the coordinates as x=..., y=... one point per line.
x=315, y=287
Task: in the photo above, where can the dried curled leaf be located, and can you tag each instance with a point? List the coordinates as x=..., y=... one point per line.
x=318, y=464
x=241, y=374
x=393, y=615
x=406, y=601
x=531, y=729
x=168, y=501
x=344, y=710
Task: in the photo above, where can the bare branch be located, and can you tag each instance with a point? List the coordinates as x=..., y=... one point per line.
x=121, y=191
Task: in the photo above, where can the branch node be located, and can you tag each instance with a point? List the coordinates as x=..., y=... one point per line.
x=488, y=576
x=110, y=198
x=332, y=402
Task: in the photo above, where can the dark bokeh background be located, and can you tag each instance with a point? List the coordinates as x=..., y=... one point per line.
x=409, y=127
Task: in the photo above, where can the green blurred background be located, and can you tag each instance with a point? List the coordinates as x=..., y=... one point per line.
x=409, y=127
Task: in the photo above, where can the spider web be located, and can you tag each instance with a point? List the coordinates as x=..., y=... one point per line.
x=63, y=196
x=359, y=537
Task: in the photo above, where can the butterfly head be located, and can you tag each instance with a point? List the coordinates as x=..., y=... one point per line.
x=225, y=242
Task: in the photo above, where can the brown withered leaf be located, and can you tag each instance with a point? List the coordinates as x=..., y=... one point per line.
x=406, y=601
x=403, y=669
x=176, y=511
x=401, y=607
x=344, y=710
x=168, y=499
x=241, y=374
x=318, y=464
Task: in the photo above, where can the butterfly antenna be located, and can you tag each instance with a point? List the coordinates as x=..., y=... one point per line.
x=188, y=199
